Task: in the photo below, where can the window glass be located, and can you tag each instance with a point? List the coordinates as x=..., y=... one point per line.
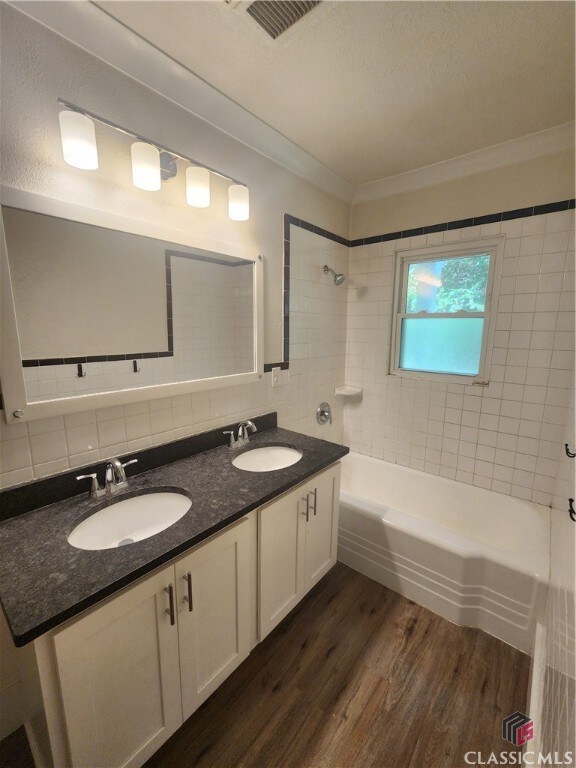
x=448, y=285
x=442, y=345
x=443, y=312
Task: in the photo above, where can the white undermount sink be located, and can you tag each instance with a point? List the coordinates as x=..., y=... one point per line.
x=130, y=520
x=267, y=459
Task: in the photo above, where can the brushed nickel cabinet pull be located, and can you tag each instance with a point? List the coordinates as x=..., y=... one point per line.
x=188, y=597
x=307, y=513
x=314, y=493
x=170, y=611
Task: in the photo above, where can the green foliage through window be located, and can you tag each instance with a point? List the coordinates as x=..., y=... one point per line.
x=448, y=285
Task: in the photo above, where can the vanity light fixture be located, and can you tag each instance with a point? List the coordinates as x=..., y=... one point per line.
x=238, y=202
x=148, y=161
x=198, y=186
x=78, y=140
x=145, y=166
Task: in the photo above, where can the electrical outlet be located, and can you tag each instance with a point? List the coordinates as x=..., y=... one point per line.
x=275, y=377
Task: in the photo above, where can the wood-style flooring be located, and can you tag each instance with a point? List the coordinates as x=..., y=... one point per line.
x=356, y=677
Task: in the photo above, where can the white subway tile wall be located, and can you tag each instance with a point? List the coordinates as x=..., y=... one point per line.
x=213, y=313
x=504, y=436
x=317, y=352
x=559, y=720
x=45, y=382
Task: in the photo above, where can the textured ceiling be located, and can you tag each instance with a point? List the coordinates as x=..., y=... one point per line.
x=373, y=89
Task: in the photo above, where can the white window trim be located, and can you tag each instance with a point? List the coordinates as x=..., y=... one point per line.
x=492, y=245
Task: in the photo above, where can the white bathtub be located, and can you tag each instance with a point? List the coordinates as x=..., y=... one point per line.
x=476, y=557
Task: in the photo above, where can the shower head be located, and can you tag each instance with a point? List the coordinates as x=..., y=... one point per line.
x=338, y=277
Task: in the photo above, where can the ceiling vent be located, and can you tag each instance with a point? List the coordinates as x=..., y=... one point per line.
x=276, y=16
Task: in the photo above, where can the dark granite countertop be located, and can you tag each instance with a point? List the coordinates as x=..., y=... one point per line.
x=45, y=581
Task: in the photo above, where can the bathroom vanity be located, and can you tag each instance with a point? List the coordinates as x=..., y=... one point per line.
x=154, y=627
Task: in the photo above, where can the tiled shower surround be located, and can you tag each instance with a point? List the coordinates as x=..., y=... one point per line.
x=504, y=436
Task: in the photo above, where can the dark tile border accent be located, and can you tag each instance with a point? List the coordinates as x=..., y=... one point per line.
x=489, y=218
x=284, y=366
x=435, y=228
x=519, y=213
x=460, y=224
x=290, y=220
x=129, y=355
x=23, y=498
x=564, y=205
x=295, y=222
x=535, y=210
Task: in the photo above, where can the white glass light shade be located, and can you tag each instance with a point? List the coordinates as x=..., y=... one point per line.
x=198, y=186
x=145, y=166
x=78, y=140
x=238, y=202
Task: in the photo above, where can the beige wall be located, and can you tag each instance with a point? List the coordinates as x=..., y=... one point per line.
x=38, y=67
x=82, y=290
x=545, y=179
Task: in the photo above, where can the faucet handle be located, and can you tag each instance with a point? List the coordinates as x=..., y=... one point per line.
x=127, y=463
x=95, y=490
x=232, y=443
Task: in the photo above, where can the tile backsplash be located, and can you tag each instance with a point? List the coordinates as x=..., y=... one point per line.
x=504, y=436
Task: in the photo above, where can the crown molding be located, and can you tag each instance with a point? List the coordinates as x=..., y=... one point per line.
x=527, y=147
x=93, y=30
x=102, y=36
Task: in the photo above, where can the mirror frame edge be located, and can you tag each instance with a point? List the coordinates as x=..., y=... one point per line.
x=11, y=372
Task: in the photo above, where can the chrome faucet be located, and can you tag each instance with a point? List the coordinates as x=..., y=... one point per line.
x=243, y=438
x=116, y=476
x=243, y=428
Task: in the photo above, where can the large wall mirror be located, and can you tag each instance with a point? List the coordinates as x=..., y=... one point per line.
x=99, y=310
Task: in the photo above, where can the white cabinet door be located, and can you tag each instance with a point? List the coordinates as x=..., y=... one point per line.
x=322, y=526
x=214, y=612
x=297, y=545
x=119, y=677
x=281, y=532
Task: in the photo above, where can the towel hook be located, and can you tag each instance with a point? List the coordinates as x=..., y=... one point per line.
x=568, y=451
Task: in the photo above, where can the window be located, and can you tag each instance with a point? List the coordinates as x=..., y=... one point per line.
x=442, y=323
